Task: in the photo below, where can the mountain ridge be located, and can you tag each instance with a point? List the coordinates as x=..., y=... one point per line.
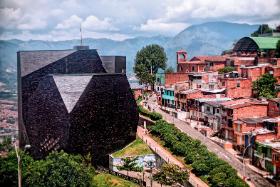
x=210, y=38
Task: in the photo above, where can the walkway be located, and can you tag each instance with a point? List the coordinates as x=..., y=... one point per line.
x=256, y=179
x=167, y=156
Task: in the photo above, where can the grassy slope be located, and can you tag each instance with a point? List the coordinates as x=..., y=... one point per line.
x=136, y=148
x=107, y=180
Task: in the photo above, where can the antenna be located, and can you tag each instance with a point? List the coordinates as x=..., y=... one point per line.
x=81, y=34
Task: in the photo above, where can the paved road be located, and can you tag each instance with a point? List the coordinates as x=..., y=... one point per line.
x=256, y=179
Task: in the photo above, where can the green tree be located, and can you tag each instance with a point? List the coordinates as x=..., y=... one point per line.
x=264, y=28
x=9, y=168
x=170, y=69
x=170, y=174
x=226, y=69
x=58, y=169
x=6, y=145
x=130, y=164
x=265, y=86
x=148, y=60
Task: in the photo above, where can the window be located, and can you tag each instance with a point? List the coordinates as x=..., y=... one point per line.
x=223, y=83
x=211, y=64
x=238, y=84
x=198, y=86
x=211, y=87
x=218, y=110
x=192, y=68
x=208, y=109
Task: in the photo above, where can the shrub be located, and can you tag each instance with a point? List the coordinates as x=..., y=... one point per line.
x=226, y=69
x=205, y=164
x=152, y=115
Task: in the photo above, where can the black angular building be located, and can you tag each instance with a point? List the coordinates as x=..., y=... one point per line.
x=68, y=101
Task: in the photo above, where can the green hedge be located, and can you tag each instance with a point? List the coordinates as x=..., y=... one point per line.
x=204, y=163
x=152, y=115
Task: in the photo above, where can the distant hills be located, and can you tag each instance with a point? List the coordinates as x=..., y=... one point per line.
x=204, y=39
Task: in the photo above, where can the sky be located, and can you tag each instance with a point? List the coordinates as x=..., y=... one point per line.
x=121, y=19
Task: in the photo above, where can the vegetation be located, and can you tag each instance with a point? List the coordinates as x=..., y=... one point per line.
x=265, y=86
x=169, y=70
x=170, y=174
x=205, y=164
x=152, y=115
x=136, y=148
x=130, y=164
x=58, y=169
x=6, y=145
x=226, y=69
x=263, y=29
x=107, y=180
x=147, y=61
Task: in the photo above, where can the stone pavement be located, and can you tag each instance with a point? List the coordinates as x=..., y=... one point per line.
x=256, y=179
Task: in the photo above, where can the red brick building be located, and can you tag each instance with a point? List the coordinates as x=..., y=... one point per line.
x=274, y=107
x=240, y=61
x=236, y=87
x=172, y=78
x=240, y=109
x=214, y=63
x=253, y=72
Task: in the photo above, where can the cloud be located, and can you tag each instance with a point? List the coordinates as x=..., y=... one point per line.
x=126, y=18
x=159, y=26
x=9, y=16
x=71, y=22
x=94, y=24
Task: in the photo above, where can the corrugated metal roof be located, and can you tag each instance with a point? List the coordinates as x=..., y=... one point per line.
x=256, y=43
x=266, y=42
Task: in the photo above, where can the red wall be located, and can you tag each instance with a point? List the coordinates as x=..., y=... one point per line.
x=172, y=78
x=232, y=91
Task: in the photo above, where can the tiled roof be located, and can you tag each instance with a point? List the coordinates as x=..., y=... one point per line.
x=234, y=104
x=275, y=100
x=253, y=120
x=216, y=58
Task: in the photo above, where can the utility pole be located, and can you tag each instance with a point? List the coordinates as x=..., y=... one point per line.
x=81, y=34
x=19, y=166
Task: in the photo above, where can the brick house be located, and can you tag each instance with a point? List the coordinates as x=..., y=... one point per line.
x=214, y=63
x=196, y=109
x=184, y=95
x=267, y=156
x=253, y=72
x=239, y=61
x=240, y=109
x=172, y=78
x=274, y=107
x=182, y=58
x=213, y=114
x=236, y=87
x=203, y=80
x=244, y=128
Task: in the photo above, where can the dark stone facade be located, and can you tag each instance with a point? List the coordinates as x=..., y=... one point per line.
x=114, y=64
x=73, y=104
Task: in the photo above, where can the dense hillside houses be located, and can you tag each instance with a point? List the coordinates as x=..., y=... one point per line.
x=216, y=96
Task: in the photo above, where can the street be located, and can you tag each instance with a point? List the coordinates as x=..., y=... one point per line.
x=256, y=179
